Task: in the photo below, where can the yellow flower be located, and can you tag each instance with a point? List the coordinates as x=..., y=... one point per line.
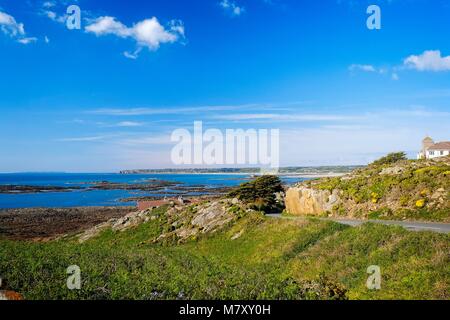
x=420, y=203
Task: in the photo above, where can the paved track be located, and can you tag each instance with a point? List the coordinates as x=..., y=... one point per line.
x=413, y=226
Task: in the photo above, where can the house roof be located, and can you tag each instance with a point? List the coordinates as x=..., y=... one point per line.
x=445, y=145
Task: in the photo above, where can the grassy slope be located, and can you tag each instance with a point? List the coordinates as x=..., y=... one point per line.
x=271, y=259
x=410, y=194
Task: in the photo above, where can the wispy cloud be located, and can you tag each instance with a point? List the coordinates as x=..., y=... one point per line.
x=82, y=139
x=132, y=55
x=285, y=117
x=50, y=10
x=232, y=8
x=129, y=124
x=156, y=111
x=362, y=67
x=349, y=138
x=143, y=140
x=10, y=27
x=419, y=111
x=27, y=40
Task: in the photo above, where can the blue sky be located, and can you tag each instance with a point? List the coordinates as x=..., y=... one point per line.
x=107, y=97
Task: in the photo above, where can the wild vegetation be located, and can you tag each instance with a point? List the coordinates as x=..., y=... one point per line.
x=254, y=257
x=228, y=248
x=393, y=188
x=390, y=158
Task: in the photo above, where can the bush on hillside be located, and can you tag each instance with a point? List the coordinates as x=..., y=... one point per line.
x=390, y=158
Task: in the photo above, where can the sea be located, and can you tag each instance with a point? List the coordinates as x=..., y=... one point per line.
x=84, y=197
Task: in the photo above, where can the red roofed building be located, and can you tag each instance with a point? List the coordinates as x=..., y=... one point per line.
x=432, y=150
x=144, y=205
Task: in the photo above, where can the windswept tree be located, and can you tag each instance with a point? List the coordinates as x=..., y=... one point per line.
x=260, y=193
x=390, y=158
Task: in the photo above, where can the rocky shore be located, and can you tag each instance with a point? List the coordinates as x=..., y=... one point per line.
x=11, y=188
x=43, y=224
x=169, y=188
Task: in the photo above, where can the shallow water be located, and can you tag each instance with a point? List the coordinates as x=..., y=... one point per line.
x=103, y=197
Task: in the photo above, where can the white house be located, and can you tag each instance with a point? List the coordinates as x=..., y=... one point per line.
x=432, y=150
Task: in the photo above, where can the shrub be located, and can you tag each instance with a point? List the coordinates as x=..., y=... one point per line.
x=330, y=184
x=380, y=213
x=390, y=158
x=404, y=199
x=259, y=193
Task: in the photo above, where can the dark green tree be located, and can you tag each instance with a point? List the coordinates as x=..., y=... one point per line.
x=260, y=193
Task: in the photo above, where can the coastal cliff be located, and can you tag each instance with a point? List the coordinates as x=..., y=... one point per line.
x=387, y=189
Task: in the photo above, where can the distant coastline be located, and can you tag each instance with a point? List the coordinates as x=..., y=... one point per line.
x=322, y=171
x=287, y=175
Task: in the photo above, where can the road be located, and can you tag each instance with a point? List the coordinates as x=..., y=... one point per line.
x=413, y=226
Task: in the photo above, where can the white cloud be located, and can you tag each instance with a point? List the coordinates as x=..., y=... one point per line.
x=46, y=39
x=147, y=33
x=362, y=67
x=55, y=17
x=284, y=117
x=27, y=40
x=108, y=25
x=430, y=60
x=132, y=55
x=154, y=111
x=163, y=139
x=10, y=26
x=82, y=139
x=49, y=9
x=129, y=124
x=232, y=7
x=51, y=14
x=49, y=4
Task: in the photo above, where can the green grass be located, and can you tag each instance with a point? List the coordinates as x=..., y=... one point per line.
x=271, y=259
